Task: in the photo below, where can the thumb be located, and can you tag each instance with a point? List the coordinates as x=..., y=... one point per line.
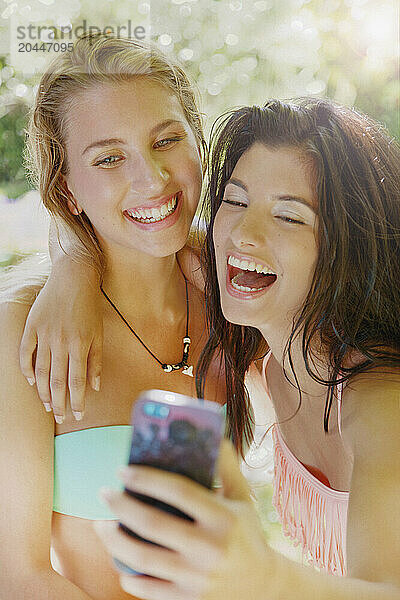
x=234, y=484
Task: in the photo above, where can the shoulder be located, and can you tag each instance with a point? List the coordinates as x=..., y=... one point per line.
x=16, y=395
x=371, y=411
x=12, y=320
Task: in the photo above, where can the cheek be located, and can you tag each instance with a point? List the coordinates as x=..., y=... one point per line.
x=191, y=174
x=218, y=232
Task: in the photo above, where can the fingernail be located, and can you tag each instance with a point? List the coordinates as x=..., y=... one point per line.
x=59, y=419
x=107, y=494
x=78, y=415
x=126, y=473
x=47, y=406
x=96, y=384
x=31, y=380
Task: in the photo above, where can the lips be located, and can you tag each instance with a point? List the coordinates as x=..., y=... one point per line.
x=166, y=213
x=248, y=277
x=156, y=212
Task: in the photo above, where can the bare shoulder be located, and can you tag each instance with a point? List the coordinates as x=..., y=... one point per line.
x=371, y=410
x=17, y=398
x=12, y=318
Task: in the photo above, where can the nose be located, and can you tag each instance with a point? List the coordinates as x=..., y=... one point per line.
x=249, y=231
x=149, y=176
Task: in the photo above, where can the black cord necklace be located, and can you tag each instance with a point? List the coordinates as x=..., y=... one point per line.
x=186, y=369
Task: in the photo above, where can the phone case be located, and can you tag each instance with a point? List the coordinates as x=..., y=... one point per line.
x=174, y=433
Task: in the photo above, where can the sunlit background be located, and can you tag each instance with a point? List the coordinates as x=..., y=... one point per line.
x=239, y=52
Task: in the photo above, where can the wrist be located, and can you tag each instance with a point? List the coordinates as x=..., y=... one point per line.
x=67, y=269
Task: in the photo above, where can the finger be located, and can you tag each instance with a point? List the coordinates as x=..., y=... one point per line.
x=234, y=484
x=42, y=373
x=77, y=381
x=94, y=362
x=26, y=350
x=146, y=558
x=177, y=490
x=58, y=382
x=156, y=525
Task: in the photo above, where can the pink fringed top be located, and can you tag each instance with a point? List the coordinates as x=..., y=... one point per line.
x=312, y=513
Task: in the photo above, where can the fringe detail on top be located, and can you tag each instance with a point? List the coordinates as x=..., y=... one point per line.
x=312, y=514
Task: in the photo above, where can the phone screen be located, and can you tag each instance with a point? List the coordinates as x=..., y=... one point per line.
x=178, y=434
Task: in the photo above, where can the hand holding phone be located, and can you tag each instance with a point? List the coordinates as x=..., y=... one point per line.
x=175, y=433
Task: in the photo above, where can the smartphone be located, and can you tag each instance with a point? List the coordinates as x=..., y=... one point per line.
x=174, y=433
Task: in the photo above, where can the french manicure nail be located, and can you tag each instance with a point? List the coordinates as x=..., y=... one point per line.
x=59, y=419
x=31, y=380
x=106, y=493
x=125, y=473
x=47, y=406
x=96, y=383
x=78, y=415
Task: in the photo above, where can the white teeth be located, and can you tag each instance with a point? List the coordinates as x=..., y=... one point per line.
x=152, y=215
x=245, y=265
x=242, y=288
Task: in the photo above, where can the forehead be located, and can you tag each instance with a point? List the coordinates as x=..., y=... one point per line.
x=110, y=110
x=284, y=170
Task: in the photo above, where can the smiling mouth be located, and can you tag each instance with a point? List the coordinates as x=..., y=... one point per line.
x=155, y=215
x=249, y=276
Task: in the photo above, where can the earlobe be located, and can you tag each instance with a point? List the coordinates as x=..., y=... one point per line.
x=73, y=206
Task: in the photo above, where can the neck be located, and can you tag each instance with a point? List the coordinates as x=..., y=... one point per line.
x=147, y=285
x=276, y=339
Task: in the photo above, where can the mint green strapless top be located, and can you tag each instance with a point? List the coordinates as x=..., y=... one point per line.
x=84, y=462
x=87, y=460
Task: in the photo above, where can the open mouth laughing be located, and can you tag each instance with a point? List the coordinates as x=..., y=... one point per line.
x=248, y=277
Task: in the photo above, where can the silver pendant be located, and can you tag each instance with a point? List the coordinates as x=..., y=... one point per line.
x=188, y=370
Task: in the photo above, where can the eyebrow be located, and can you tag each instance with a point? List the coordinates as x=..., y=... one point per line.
x=285, y=198
x=154, y=131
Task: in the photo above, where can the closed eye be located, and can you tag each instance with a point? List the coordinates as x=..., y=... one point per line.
x=234, y=203
x=290, y=220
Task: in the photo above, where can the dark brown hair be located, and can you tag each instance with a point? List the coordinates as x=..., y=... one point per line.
x=354, y=299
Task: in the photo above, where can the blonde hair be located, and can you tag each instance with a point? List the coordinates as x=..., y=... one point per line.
x=94, y=59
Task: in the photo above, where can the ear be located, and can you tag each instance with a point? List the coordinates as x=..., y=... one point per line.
x=72, y=203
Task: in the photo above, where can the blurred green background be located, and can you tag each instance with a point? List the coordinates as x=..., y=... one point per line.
x=239, y=52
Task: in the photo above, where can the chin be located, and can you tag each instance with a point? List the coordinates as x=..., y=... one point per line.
x=235, y=315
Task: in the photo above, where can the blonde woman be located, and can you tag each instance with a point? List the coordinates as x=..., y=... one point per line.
x=116, y=144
